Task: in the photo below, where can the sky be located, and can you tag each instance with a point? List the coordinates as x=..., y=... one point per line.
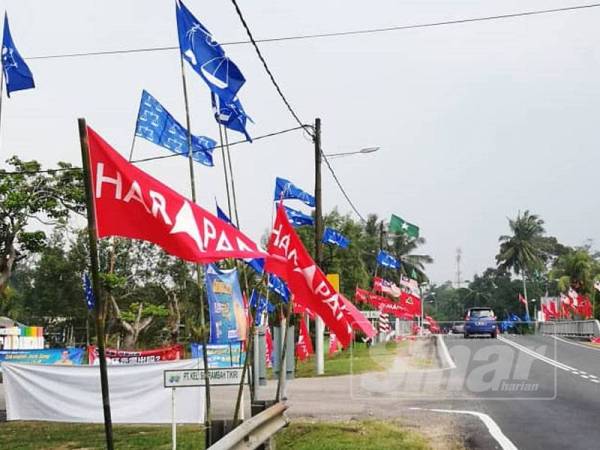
x=475, y=122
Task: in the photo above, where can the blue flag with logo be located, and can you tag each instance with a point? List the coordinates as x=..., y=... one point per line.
x=258, y=264
x=386, y=260
x=157, y=125
x=298, y=218
x=206, y=56
x=231, y=114
x=285, y=189
x=90, y=300
x=17, y=75
x=278, y=286
x=334, y=237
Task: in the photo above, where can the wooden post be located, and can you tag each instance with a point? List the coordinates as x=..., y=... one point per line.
x=99, y=310
x=207, y=415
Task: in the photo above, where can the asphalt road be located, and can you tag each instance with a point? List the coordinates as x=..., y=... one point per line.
x=554, y=402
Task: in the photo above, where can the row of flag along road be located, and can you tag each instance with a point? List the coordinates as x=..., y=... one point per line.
x=132, y=204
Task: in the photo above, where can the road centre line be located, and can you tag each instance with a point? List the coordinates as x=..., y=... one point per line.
x=493, y=428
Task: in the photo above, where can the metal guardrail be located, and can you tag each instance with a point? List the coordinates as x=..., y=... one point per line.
x=255, y=431
x=579, y=328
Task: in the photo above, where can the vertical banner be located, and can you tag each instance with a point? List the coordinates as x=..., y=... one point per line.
x=334, y=279
x=228, y=323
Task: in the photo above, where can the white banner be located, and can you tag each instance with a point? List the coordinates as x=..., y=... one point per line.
x=72, y=393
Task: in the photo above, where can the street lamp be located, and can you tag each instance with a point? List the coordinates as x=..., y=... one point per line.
x=363, y=151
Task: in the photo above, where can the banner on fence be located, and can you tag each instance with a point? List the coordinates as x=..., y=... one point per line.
x=113, y=356
x=58, y=356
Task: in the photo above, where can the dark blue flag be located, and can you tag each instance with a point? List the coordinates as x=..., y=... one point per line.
x=257, y=264
x=386, y=260
x=155, y=124
x=17, y=75
x=90, y=300
x=331, y=236
x=298, y=218
x=278, y=286
x=231, y=115
x=285, y=189
x=206, y=56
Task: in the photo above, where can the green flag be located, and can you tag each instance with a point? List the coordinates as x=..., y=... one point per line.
x=400, y=226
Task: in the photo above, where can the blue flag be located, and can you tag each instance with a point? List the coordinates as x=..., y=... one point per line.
x=206, y=56
x=155, y=124
x=257, y=264
x=285, y=189
x=17, y=75
x=386, y=260
x=260, y=304
x=331, y=236
x=278, y=286
x=231, y=115
x=298, y=218
x=90, y=300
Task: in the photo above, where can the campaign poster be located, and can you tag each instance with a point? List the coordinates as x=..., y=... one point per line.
x=57, y=356
x=227, y=315
x=173, y=353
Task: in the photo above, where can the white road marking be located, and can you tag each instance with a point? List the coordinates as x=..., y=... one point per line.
x=576, y=343
x=445, y=353
x=545, y=359
x=504, y=442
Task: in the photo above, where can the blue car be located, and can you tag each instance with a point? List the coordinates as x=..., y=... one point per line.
x=480, y=321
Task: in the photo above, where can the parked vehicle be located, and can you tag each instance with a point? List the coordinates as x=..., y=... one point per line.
x=481, y=320
x=458, y=328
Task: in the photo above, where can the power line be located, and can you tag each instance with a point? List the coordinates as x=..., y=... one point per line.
x=335, y=177
x=332, y=34
x=264, y=63
x=154, y=158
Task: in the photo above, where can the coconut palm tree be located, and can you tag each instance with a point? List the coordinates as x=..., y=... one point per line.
x=413, y=265
x=523, y=252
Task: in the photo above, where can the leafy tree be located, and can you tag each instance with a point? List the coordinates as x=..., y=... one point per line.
x=27, y=196
x=576, y=269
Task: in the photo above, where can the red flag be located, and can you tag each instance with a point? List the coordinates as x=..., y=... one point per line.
x=383, y=304
x=268, y=346
x=132, y=204
x=356, y=318
x=306, y=281
x=411, y=303
x=304, y=346
x=386, y=287
x=522, y=299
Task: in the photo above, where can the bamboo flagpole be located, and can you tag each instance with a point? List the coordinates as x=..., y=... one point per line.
x=1, y=95
x=235, y=208
x=207, y=415
x=100, y=307
x=224, y=164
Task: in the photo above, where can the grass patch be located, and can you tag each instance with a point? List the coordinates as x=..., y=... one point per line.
x=70, y=436
x=359, y=359
x=363, y=435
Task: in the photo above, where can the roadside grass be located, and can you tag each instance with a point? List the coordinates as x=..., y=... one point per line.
x=70, y=436
x=354, y=435
x=363, y=435
x=359, y=359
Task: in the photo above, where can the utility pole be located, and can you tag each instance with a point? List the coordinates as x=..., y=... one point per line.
x=319, y=326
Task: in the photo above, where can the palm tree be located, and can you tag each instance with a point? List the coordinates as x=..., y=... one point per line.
x=576, y=270
x=413, y=265
x=523, y=252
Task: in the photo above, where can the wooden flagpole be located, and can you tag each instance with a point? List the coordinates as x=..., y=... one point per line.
x=100, y=307
x=207, y=415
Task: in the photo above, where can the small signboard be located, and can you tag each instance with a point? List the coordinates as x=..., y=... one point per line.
x=195, y=377
x=371, y=314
